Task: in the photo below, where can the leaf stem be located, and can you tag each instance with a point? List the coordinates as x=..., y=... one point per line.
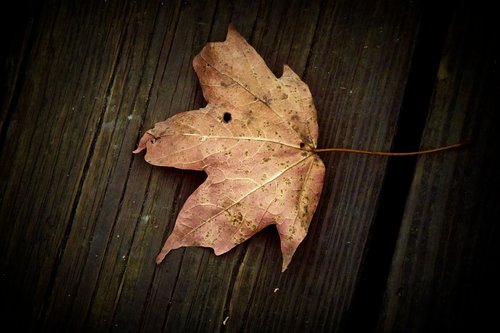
x=382, y=153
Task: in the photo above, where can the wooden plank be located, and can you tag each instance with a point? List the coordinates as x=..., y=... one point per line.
x=444, y=274
x=59, y=112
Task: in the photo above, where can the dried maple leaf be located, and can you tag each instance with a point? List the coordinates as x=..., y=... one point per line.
x=254, y=140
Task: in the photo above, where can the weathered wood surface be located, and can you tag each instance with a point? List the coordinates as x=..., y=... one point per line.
x=82, y=218
x=445, y=269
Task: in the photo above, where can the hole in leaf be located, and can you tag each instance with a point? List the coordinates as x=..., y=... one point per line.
x=226, y=117
x=302, y=144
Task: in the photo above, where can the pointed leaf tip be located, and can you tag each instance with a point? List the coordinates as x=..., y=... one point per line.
x=143, y=142
x=161, y=256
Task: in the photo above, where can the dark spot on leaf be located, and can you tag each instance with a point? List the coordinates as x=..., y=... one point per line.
x=266, y=100
x=226, y=117
x=306, y=139
x=302, y=144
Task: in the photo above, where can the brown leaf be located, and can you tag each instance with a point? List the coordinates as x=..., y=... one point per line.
x=251, y=140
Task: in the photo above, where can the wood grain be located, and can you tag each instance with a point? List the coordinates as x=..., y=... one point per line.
x=445, y=267
x=82, y=219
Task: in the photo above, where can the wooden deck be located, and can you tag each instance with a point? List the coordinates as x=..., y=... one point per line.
x=396, y=245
